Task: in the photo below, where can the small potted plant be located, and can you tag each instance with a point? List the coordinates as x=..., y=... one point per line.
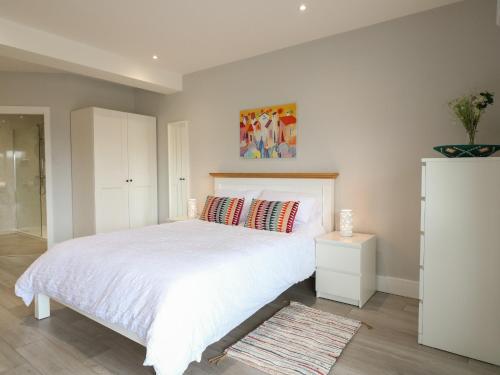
x=469, y=109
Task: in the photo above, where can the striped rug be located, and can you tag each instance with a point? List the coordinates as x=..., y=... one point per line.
x=296, y=340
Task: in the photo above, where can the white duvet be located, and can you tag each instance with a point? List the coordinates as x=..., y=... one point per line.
x=179, y=287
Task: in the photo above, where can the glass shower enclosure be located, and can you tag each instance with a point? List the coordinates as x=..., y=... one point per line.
x=22, y=175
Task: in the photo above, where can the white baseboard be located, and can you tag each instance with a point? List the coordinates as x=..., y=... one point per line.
x=8, y=231
x=400, y=287
x=17, y=231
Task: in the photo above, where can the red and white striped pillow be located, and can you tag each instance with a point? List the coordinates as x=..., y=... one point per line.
x=222, y=210
x=272, y=215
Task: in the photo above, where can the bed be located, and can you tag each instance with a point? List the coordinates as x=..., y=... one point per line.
x=176, y=288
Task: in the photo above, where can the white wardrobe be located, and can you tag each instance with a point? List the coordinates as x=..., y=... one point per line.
x=460, y=257
x=114, y=170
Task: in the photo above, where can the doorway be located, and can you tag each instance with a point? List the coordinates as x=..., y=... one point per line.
x=178, y=169
x=23, y=224
x=22, y=175
x=25, y=189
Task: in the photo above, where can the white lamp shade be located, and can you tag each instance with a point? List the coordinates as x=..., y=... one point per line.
x=346, y=223
x=192, y=208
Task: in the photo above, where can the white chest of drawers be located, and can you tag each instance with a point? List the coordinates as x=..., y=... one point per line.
x=460, y=257
x=345, y=267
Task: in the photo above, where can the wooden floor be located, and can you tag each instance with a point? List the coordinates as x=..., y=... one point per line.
x=68, y=343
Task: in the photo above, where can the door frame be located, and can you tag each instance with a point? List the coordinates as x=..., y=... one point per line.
x=49, y=198
x=170, y=157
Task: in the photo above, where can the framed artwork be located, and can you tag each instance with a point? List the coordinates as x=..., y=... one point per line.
x=269, y=132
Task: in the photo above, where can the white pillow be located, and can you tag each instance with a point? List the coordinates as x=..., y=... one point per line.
x=312, y=229
x=248, y=195
x=308, y=206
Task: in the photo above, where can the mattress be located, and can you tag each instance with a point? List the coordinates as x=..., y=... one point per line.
x=178, y=287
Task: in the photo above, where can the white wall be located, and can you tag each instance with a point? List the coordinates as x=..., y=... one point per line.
x=62, y=93
x=371, y=104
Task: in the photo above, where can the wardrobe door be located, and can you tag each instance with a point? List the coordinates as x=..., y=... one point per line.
x=111, y=171
x=178, y=169
x=142, y=170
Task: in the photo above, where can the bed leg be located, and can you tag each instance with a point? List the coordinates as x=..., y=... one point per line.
x=42, y=306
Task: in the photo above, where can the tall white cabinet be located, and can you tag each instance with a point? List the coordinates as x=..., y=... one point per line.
x=114, y=170
x=460, y=257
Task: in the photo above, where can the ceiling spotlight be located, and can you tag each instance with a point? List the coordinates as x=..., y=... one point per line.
x=302, y=7
x=155, y=57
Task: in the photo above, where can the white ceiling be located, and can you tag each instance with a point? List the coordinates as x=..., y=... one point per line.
x=191, y=35
x=13, y=65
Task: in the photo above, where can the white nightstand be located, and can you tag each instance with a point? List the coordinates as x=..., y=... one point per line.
x=345, y=267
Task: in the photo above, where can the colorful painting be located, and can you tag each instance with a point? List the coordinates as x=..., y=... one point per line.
x=269, y=132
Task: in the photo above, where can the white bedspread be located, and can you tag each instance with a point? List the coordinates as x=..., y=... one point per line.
x=179, y=287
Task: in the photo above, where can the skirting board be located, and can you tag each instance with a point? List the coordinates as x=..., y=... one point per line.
x=17, y=231
x=400, y=287
x=7, y=231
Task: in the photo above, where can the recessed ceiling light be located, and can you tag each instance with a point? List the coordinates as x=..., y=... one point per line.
x=155, y=57
x=302, y=7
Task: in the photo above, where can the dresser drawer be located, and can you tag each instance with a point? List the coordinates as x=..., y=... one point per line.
x=337, y=284
x=337, y=258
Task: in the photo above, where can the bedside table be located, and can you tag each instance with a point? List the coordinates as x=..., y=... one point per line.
x=345, y=267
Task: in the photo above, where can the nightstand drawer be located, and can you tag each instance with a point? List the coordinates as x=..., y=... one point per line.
x=337, y=284
x=343, y=259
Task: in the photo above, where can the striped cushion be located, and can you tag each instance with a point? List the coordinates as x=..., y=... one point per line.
x=222, y=210
x=272, y=215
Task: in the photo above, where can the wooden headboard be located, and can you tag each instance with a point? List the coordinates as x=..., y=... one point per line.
x=320, y=185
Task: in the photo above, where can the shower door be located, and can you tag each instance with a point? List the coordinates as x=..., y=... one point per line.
x=30, y=189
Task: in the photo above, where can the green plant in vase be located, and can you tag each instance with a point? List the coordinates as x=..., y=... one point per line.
x=469, y=110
